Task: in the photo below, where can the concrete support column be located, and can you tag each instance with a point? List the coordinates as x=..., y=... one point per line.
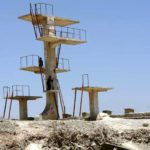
x=23, y=109
x=94, y=105
x=50, y=111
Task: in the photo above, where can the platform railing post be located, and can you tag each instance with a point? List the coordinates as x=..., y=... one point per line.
x=26, y=61
x=32, y=60
x=46, y=9
x=73, y=33
x=28, y=90
x=20, y=62
x=68, y=65
x=63, y=67
x=80, y=34
x=22, y=91
x=85, y=34
x=16, y=90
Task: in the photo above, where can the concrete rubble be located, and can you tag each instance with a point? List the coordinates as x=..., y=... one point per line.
x=74, y=134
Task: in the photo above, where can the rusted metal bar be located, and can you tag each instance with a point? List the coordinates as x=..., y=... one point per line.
x=80, y=111
x=32, y=17
x=5, y=105
x=37, y=21
x=74, y=107
x=10, y=106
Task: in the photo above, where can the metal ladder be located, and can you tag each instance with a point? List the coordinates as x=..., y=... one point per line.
x=61, y=98
x=6, y=100
x=81, y=99
x=35, y=21
x=5, y=106
x=83, y=85
x=10, y=106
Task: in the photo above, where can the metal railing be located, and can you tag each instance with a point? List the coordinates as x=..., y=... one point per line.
x=6, y=91
x=21, y=90
x=63, y=32
x=17, y=90
x=28, y=61
x=87, y=83
x=43, y=9
x=64, y=63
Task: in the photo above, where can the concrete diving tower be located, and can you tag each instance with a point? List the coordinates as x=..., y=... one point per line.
x=22, y=94
x=93, y=98
x=53, y=31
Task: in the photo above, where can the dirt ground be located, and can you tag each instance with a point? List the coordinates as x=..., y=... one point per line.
x=74, y=134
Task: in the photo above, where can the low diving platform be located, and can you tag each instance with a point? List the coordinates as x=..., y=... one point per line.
x=93, y=99
x=24, y=97
x=22, y=94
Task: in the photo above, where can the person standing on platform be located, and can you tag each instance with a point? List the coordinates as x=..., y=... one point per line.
x=40, y=62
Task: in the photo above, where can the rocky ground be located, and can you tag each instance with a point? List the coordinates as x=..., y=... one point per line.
x=74, y=134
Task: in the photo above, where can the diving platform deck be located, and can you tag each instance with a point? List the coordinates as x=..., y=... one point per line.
x=37, y=70
x=42, y=19
x=90, y=89
x=62, y=40
x=24, y=97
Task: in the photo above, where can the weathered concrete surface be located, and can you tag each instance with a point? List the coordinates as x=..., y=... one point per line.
x=73, y=134
x=23, y=109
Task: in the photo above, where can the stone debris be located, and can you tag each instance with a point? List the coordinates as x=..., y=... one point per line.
x=101, y=116
x=73, y=134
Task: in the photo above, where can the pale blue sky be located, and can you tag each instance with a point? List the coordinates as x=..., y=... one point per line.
x=116, y=55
